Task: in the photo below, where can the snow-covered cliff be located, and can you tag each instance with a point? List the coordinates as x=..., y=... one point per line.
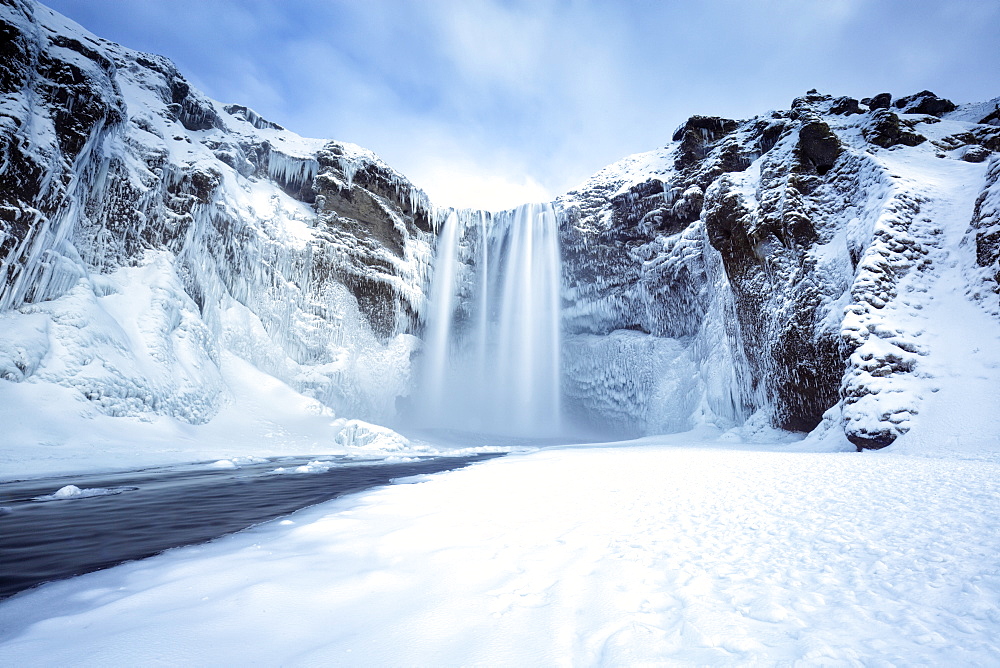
x=830, y=266
x=152, y=239
x=175, y=268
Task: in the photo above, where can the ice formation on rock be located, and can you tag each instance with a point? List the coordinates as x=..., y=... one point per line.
x=798, y=261
x=147, y=231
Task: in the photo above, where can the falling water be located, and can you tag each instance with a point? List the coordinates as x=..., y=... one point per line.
x=491, y=356
x=442, y=302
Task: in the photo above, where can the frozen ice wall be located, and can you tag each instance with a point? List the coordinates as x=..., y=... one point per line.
x=651, y=344
x=148, y=233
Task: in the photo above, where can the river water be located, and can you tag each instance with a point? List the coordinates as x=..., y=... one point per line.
x=106, y=519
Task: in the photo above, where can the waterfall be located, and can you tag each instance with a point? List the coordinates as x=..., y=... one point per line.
x=491, y=360
x=437, y=344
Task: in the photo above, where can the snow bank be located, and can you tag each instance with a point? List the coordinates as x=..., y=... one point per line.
x=52, y=430
x=237, y=462
x=315, y=466
x=365, y=437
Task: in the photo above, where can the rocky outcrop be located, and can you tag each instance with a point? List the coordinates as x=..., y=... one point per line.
x=845, y=106
x=697, y=135
x=818, y=147
x=885, y=129
x=924, y=102
x=369, y=209
x=986, y=231
x=880, y=101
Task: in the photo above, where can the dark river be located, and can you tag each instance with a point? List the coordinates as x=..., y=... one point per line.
x=137, y=514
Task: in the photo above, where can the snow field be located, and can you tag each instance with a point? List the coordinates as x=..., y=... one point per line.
x=573, y=556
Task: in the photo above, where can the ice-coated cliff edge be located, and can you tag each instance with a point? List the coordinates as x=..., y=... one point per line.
x=832, y=266
x=167, y=261
x=146, y=232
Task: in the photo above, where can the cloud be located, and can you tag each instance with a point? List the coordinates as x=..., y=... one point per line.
x=515, y=94
x=447, y=184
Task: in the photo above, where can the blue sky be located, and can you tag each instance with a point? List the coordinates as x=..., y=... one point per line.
x=495, y=102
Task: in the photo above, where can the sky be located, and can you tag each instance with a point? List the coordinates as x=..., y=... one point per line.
x=492, y=103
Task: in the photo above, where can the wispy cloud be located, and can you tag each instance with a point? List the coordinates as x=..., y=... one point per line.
x=516, y=94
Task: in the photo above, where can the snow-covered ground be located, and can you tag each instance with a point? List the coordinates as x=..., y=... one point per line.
x=668, y=550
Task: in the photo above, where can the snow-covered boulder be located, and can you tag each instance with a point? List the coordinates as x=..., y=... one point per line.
x=360, y=435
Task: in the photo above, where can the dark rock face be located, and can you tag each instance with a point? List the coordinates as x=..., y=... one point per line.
x=988, y=138
x=697, y=134
x=924, y=102
x=16, y=51
x=845, y=106
x=372, y=213
x=818, y=146
x=880, y=101
x=194, y=112
x=986, y=226
x=885, y=129
x=992, y=118
x=765, y=255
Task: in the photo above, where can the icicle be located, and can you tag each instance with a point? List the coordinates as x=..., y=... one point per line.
x=291, y=172
x=45, y=265
x=349, y=167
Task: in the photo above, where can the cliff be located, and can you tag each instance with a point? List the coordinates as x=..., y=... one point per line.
x=801, y=268
x=832, y=268
x=146, y=231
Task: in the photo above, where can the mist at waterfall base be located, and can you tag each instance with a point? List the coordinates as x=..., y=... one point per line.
x=491, y=358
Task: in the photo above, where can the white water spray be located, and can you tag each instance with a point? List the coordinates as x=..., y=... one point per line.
x=492, y=351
